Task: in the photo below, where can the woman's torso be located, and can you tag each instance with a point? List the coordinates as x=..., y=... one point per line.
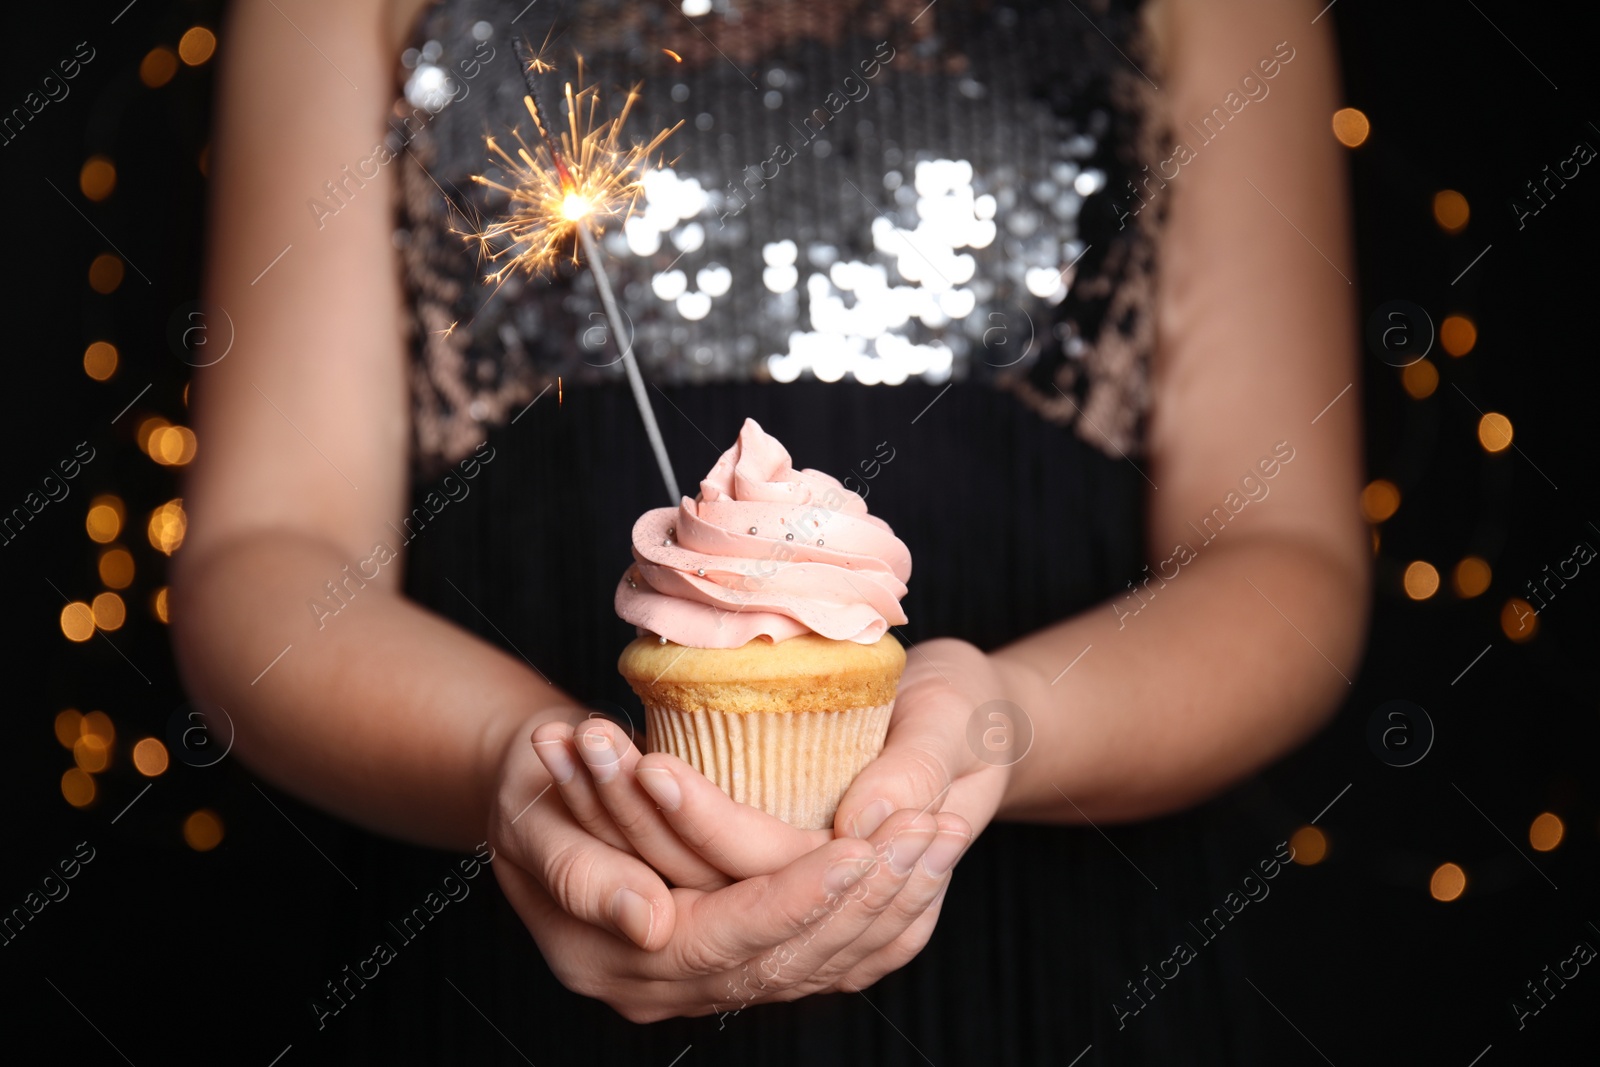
x=937, y=290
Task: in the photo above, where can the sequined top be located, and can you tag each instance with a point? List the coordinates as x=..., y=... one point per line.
x=867, y=192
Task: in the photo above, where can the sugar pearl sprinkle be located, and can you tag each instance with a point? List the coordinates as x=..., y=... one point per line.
x=788, y=537
x=701, y=572
x=752, y=529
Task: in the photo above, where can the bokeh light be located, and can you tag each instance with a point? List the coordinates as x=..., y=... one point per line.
x=168, y=524
x=1494, y=432
x=97, y=178
x=98, y=724
x=105, y=517
x=158, y=67
x=1421, y=580
x=1310, y=846
x=91, y=753
x=77, y=787
x=69, y=726
x=1546, y=832
x=1449, y=881
x=1351, y=126
x=105, y=273
x=147, y=429
x=1420, y=379
x=170, y=446
x=1518, y=620
x=109, y=611
x=1471, y=577
x=202, y=831
x=1450, y=210
x=1379, y=500
x=100, y=360
x=150, y=757
x=77, y=621
x=116, y=567
x=196, y=45
x=1457, y=335
x=158, y=604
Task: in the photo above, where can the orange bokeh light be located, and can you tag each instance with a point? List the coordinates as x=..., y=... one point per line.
x=1351, y=126
x=1421, y=580
x=1310, y=846
x=1449, y=881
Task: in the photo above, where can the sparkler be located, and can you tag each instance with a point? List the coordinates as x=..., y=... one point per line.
x=566, y=185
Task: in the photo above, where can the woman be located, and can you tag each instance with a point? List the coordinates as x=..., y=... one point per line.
x=1131, y=514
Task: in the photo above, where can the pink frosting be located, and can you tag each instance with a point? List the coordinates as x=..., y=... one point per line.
x=816, y=563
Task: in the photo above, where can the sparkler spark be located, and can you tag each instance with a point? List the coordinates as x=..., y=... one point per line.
x=584, y=174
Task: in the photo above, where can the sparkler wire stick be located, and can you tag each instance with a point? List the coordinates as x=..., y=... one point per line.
x=629, y=364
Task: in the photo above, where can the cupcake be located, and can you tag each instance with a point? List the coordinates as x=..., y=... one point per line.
x=763, y=606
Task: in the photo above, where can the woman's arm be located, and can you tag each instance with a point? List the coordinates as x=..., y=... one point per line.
x=1242, y=645
x=384, y=713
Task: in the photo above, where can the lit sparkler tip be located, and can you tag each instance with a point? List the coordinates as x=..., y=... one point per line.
x=575, y=207
x=578, y=175
x=675, y=56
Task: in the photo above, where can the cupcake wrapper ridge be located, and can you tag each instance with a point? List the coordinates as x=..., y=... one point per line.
x=792, y=765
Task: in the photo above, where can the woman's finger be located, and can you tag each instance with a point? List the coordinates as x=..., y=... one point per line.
x=601, y=885
x=737, y=839
x=611, y=759
x=898, y=953
x=589, y=879
x=722, y=931
x=905, y=925
x=555, y=745
x=857, y=926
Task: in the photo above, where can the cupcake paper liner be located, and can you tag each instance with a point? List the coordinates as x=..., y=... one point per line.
x=793, y=765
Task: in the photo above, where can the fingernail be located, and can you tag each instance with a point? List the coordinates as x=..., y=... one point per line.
x=662, y=787
x=843, y=875
x=633, y=916
x=943, y=853
x=871, y=817
x=906, y=847
x=556, y=759
x=595, y=747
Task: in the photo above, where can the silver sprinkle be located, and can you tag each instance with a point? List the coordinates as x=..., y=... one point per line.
x=752, y=529
x=701, y=572
x=668, y=541
x=819, y=542
x=788, y=537
x=663, y=640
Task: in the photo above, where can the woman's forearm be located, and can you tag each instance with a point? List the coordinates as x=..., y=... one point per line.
x=384, y=713
x=1224, y=668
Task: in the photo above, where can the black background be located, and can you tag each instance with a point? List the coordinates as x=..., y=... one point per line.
x=178, y=956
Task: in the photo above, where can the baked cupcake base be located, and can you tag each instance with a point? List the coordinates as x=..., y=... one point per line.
x=783, y=727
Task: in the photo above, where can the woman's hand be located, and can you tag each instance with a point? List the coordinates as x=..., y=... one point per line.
x=936, y=758
x=609, y=928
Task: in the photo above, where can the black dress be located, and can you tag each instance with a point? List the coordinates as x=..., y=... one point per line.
x=944, y=268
